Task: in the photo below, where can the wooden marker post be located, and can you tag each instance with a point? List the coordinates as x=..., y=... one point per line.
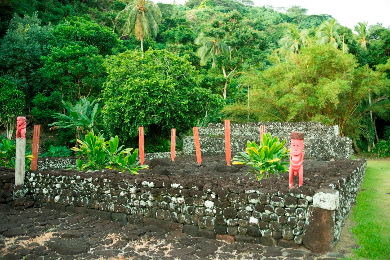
x=227, y=142
x=197, y=145
x=173, y=144
x=20, y=166
x=141, y=145
x=34, y=162
x=262, y=131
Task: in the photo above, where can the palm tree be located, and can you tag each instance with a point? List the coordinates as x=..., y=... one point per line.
x=142, y=18
x=210, y=48
x=294, y=39
x=362, y=34
x=327, y=33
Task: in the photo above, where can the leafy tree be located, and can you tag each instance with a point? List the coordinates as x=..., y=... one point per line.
x=84, y=32
x=296, y=13
x=142, y=18
x=75, y=71
x=160, y=91
x=23, y=45
x=11, y=105
x=45, y=105
x=319, y=84
x=313, y=21
x=240, y=45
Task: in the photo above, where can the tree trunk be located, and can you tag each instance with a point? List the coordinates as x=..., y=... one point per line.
x=9, y=129
x=142, y=47
x=372, y=119
x=356, y=146
x=225, y=89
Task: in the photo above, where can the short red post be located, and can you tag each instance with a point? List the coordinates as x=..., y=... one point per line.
x=34, y=162
x=262, y=131
x=173, y=143
x=141, y=145
x=227, y=142
x=197, y=145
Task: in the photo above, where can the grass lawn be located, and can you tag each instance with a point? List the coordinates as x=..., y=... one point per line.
x=372, y=212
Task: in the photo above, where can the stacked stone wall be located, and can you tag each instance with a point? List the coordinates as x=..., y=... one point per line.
x=321, y=142
x=199, y=208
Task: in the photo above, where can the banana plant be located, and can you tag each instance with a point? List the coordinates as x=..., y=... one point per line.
x=270, y=157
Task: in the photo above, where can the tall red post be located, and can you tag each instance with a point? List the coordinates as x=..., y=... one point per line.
x=34, y=162
x=197, y=145
x=262, y=131
x=173, y=144
x=227, y=142
x=141, y=145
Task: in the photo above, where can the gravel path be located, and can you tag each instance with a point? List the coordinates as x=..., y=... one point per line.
x=40, y=233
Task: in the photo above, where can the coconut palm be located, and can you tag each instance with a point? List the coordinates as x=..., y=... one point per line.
x=294, y=38
x=327, y=33
x=142, y=18
x=210, y=48
x=362, y=34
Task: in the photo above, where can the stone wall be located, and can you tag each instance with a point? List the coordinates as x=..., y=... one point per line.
x=270, y=217
x=321, y=142
x=45, y=163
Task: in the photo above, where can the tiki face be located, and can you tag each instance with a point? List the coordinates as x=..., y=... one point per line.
x=296, y=146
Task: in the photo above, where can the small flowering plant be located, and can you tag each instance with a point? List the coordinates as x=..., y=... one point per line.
x=270, y=157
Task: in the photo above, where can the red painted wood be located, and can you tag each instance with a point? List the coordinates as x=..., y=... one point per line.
x=141, y=145
x=197, y=145
x=227, y=142
x=34, y=162
x=173, y=144
x=262, y=131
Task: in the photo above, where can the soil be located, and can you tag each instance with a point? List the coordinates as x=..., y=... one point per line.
x=41, y=233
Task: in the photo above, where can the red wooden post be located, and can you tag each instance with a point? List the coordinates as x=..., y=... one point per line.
x=227, y=142
x=262, y=131
x=173, y=143
x=141, y=145
x=34, y=162
x=197, y=145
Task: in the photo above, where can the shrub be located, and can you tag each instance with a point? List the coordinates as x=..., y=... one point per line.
x=8, y=153
x=106, y=154
x=159, y=91
x=270, y=157
x=57, y=151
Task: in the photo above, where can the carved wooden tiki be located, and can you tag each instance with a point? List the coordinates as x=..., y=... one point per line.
x=296, y=157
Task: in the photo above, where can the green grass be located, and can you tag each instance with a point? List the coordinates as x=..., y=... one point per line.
x=372, y=212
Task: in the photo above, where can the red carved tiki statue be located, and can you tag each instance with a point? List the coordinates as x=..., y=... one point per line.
x=296, y=157
x=21, y=127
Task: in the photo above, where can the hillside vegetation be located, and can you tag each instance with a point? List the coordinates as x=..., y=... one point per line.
x=165, y=66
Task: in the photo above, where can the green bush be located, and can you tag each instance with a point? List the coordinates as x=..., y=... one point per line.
x=106, y=154
x=270, y=157
x=159, y=91
x=8, y=153
x=57, y=151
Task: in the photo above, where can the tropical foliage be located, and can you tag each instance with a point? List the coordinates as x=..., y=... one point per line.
x=81, y=117
x=264, y=64
x=270, y=157
x=102, y=154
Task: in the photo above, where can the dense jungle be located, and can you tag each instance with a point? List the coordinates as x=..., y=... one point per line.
x=112, y=66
